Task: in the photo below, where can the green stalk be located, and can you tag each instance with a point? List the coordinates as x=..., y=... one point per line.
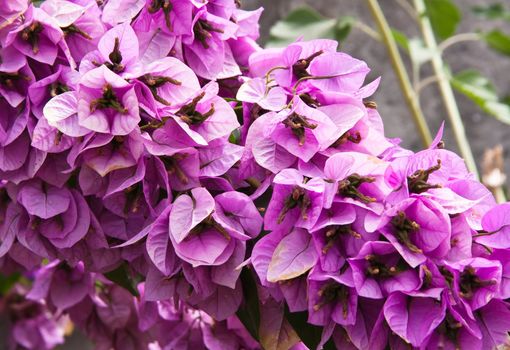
x=403, y=78
x=445, y=89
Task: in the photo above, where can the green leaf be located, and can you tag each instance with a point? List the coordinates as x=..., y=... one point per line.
x=307, y=23
x=121, y=277
x=401, y=39
x=309, y=334
x=444, y=16
x=498, y=41
x=7, y=282
x=481, y=91
x=492, y=11
x=249, y=313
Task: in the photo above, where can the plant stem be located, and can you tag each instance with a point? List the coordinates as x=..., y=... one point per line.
x=445, y=89
x=459, y=38
x=403, y=78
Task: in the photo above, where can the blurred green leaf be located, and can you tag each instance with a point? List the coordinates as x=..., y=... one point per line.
x=7, y=282
x=492, y=11
x=249, y=312
x=37, y=2
x=309, y=24
x=444, y=16
x=121, y=277
x=481, y=91
x=401, y=39
x=309, y=334
x=498, y=41
x=418, y=51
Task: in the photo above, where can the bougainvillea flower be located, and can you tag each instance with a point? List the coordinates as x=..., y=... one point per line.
x=197, y=237
x=236, y=212
x=296, y=201
x=261, y=149
x=379, y=270
x=331, y=297
x=12, y=122
x=206, y=49
x=118, y=50
x=303, y=131
x=65, y=285
x=170, y=17
x=496, y=227
x=61, y=113
x=169, y=81
x=476, y=281
x=418, y=228
x=292, y=257
x=271, y=98
x=107, y=103
x=357, y=178
x=327, y=232
x=413, y=317
x=80, y=23
x=40, y=38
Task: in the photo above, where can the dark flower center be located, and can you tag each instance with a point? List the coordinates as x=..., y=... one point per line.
x=10, y=79
x=31, y=35
x=417, y=182
x=173, y=168
x=402, y=228
x=154, y=82
x=297, y=198
x=203, y=31
x=190, y=115
x=299, y=68
x=470, y=282
x=209, y=222
x=166, y=6
x=73, y=29
x=108, y=100
x=298, y=123
x=58, y=88
x=349, y=187
x=349, y=136
x=334, y=232
x=133, y=194
x=309, y=100
x=333, y=292
x=379, y=270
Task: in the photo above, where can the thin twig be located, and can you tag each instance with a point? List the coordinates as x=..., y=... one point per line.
x=446, y=90
x=407, y=7
x=400, y=70
x=368, y=30
x=426, y=82
x=456, y=39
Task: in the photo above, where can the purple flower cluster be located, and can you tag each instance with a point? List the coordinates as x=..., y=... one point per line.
x=152, y=146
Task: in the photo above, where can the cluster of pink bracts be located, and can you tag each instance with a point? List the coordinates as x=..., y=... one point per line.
x=151, y=153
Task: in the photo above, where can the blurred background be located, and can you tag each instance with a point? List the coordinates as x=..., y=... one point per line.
x=483, y=130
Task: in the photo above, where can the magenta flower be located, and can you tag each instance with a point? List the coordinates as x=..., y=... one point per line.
x=296, y=201
x=379, y=270
x=418, y=228
x=107, y=103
